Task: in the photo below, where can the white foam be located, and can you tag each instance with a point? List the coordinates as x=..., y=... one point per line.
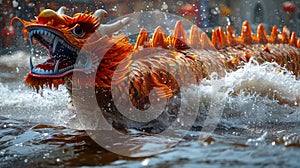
x=49, y=106
x=248, y=95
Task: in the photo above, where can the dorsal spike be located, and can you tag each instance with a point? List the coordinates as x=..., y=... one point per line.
x=205, y=42
x=158, y=38
x=293, y=39
x=274, y=35
x=261, y=34
x=142, y=39
x=298, y=43
x=246, y=33
x=179, y=39
x=219, y=39
x=195, y=37
x=224, y=38
x=216, y=39
x=285, y=35
x=231, y=36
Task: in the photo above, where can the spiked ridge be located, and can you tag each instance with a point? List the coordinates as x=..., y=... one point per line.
x=220, y=40
x=158, y=38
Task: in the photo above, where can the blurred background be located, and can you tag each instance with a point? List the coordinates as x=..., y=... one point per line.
x=207, y=14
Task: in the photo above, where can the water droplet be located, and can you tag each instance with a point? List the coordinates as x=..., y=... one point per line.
x=164, y=6
x=15, y=4
x=145, y=162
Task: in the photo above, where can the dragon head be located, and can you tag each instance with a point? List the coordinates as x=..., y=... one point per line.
x=65, y=38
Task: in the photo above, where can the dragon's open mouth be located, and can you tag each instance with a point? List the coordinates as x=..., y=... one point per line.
x=63, y=55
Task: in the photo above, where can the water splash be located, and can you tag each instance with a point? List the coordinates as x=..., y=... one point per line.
x=49, y=107
x=257, y=94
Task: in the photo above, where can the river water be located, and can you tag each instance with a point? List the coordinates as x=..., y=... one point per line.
x=41, y=129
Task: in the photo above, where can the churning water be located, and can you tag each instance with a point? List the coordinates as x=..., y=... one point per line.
x=259, y=126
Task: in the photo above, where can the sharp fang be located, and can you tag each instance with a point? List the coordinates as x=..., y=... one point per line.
x=56, y=67
x=55, y=41
x=30, y=63
x=31, y=46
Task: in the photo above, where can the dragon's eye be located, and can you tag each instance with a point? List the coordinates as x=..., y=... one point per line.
x=78, y=31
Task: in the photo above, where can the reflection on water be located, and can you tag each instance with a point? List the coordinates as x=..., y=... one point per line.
x=40, y=129
x=30, y=144
x=27, y=144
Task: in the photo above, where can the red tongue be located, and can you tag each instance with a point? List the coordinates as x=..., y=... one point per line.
x=50, y=65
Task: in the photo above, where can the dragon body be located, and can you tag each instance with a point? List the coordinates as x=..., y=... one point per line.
x=158, y=66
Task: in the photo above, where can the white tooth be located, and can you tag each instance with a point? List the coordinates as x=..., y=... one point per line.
x=51, y=71
x=30, y=34
x=31, y=48
x=55, y=41
x=30, y=63
x=56, y=66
